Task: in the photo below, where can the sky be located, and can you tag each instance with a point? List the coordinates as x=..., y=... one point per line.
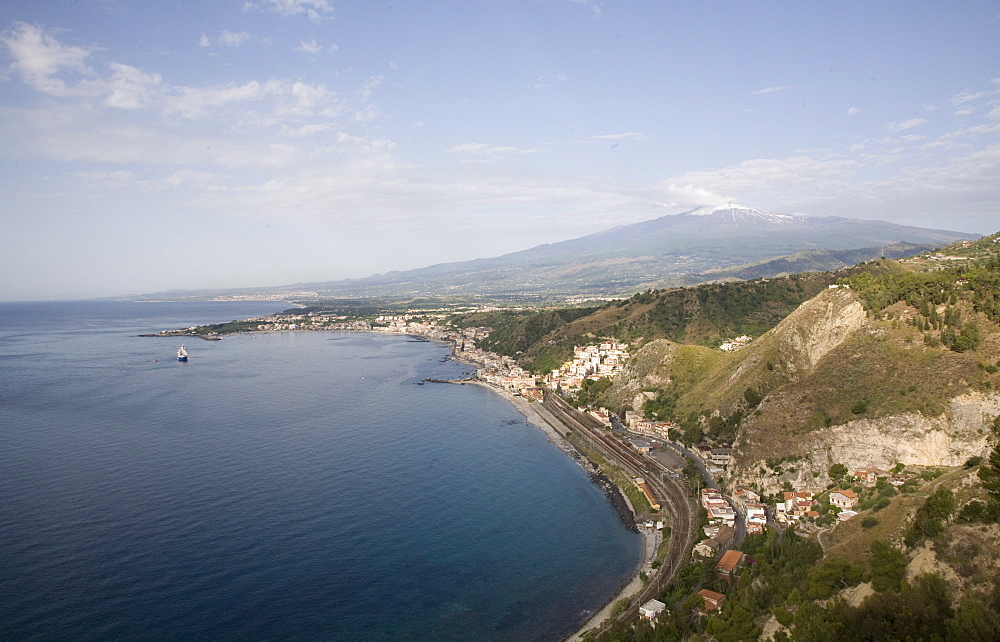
x=149, y=146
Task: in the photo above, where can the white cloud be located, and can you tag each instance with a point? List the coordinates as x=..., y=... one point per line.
x=689, y=195
x=769, y=90
x=593, y=5
x=965, y=112
x=370, y=86
x=274, y=101
x=131, y=88
x=39, y=58
x=967, y=96
x=230, y=39
x=308, y=130
x=623, y=136
x=194, y=102
x=309, y=46
x=315, y=10
x=906, y=124
x=853, y=111
x=481, y=148
x=764, y=174
x=544, y=81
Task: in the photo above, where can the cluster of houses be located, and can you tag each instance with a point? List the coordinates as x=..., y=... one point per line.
x=797, y=505
x=635, y=422
x=734, y=344
x=606, y=359
x=753, y=510
x=715, y=459
x=717, y=507
x=711, y=601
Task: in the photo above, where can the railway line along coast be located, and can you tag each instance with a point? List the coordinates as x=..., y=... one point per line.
x=672, y=496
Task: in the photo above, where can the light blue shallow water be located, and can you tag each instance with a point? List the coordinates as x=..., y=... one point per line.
x=281, y=486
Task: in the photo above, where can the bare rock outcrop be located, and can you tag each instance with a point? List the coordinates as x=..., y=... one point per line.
x=949, y=439
x=818, y=326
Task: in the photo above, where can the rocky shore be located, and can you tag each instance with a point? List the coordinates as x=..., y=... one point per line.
x=617, y=499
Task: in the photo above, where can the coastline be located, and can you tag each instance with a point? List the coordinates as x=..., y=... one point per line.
x=548, y=424
x=538, y=416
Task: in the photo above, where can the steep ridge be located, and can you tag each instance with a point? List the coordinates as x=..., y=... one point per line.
x=860, y=392
x=839, y=382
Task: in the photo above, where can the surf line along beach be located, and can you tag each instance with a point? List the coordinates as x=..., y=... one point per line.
x=554, y=428
x=540, y=417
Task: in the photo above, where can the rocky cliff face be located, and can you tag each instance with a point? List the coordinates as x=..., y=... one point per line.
x=833, y=386
x=818, y=326
x=949, y=439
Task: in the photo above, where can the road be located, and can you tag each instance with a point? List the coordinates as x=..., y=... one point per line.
x=709, y=481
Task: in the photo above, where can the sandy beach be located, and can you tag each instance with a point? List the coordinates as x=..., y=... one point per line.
x=538, y=416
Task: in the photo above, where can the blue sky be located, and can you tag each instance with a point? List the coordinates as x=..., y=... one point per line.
x=156, y=145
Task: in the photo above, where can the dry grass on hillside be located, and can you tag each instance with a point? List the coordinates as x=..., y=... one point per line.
x=967, y=556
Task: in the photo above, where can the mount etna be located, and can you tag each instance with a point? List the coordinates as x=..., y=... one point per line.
x=702, y=245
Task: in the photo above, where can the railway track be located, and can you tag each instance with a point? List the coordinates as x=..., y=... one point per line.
x=671, y=495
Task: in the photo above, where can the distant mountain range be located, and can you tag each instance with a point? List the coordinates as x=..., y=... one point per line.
x=682, y=249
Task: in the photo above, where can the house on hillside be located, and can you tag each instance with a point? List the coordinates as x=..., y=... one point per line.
x=720, y=539
x=730, y=562
x=844, y=498
x=743, y=495
x=868, y=477
x=720, y=456
x=711, y=601
x=533, y=394
x=756, y=517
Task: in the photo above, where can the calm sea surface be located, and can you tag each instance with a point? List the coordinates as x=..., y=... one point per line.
x=279, y=486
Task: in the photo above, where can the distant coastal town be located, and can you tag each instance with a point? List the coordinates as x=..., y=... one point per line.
x=729, y=518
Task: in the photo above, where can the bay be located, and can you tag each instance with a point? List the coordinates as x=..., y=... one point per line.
x=302, y=485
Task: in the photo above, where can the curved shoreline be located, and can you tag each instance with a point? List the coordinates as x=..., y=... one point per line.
x=536, y=415
x=547, y=424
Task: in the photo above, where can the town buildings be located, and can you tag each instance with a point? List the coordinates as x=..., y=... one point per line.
x=606, y=359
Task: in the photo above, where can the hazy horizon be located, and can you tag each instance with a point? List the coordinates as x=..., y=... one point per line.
x=160, y=146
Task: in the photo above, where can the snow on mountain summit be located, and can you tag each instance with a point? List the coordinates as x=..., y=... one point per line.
x=738, y=214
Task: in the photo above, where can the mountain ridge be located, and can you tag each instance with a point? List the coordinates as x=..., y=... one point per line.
x=669, y=251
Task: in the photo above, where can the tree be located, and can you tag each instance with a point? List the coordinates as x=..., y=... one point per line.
x=811, y=624
x=832, y=575
x=968, y=339
x=929, y=519
x=888, y=566
x=735, y=624
x=974, y=622
x=837, y=472
x=989, y=472
x=692, y=434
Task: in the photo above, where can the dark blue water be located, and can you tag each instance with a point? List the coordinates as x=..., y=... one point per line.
x=281, y=486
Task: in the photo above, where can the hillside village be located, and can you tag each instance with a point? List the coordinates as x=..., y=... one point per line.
x=854, y=425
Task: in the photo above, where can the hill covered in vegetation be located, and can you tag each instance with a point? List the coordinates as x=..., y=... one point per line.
x=895, y=369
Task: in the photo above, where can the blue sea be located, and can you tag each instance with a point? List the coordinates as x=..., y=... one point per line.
x=293, y=486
